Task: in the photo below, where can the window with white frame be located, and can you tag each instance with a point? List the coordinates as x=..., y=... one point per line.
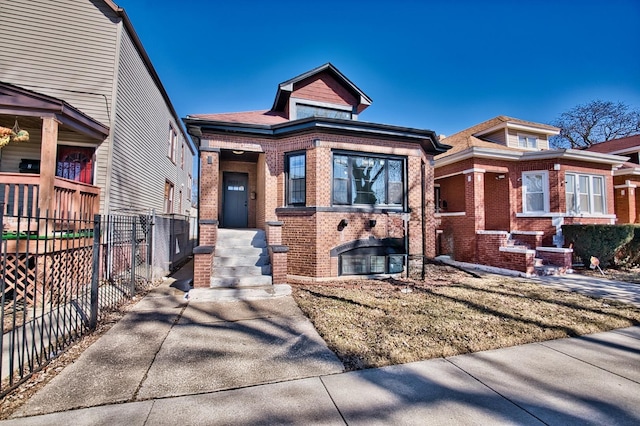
x=173, y=136
x=168, y=197
x=527, y=141
x=585, y=193
x=535, y=192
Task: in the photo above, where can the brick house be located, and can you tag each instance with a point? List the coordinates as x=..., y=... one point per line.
x=339, y=196
x=626, y=179
x=503, y=194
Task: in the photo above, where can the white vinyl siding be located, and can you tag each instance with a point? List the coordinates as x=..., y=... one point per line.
x=79, y=51
x=514, y=139
x=140, y=165
x=45, y=48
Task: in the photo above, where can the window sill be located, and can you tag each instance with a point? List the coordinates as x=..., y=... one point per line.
x=308, y=211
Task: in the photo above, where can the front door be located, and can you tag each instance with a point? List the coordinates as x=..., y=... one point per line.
x=235, y=210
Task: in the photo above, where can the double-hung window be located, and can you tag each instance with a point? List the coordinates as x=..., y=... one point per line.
x=296, y=178
x=585, y=194
x=527, y=141
x=173, y=136
x=367, y=180
x=535, y=192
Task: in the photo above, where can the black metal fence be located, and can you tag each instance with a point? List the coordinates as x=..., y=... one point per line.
x=59, y=278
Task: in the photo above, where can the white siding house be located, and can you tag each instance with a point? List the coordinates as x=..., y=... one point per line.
x=85, y=55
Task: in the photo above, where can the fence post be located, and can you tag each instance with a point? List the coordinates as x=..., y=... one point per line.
x=95, y=275
x=133, y=256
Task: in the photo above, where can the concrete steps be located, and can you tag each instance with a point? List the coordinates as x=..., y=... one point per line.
x=241, y=259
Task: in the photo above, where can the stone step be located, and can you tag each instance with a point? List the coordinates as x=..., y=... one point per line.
x=548, y=270
x=239, y=271
x=234, y=294
x=246, y=251
x=244, y=281
x=240, y=261
x=240, y=235
x=240, y=242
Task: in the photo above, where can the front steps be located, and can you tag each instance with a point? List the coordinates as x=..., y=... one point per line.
x=241, y=259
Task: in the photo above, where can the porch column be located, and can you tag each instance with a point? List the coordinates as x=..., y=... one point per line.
x=209, y=195
x=474, y=196
x=474, y=210
x=625, y=202
x=46, y=202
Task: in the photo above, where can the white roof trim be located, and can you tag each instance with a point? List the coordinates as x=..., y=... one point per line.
x=518, y=126
x=501, y=154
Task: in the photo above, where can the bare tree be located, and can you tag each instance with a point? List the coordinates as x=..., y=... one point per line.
x=595, y=122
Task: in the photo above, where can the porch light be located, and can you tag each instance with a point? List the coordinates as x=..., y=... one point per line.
x=372, y=223
x=238, y=152
x=343, y=223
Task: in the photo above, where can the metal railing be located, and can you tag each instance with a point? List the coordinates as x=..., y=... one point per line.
x=60, y=277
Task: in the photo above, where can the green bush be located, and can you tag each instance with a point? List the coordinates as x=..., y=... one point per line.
x=613, y=245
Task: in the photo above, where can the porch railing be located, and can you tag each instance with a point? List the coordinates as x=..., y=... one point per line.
x=72, y=200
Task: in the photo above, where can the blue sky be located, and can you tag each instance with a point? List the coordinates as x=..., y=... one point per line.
x=439, y=65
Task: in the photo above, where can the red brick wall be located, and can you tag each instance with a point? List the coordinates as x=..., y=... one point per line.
x=482, y=212
x=496, y=202
x=311, y=237
x=324, y=88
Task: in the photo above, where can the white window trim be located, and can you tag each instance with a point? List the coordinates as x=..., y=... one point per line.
x=545, y=191
x=527, y=135
x=579, y=212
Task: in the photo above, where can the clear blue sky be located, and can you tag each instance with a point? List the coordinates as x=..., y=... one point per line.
x=439, y=65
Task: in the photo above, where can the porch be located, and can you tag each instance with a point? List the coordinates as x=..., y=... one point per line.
x=50, y=171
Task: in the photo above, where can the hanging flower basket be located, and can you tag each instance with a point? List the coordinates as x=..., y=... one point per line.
x=19, y=135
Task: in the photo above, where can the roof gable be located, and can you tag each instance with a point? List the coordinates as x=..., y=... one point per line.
x=323, y=84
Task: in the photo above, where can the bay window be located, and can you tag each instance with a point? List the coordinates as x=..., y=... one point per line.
x=585, y=194
x=367, y=180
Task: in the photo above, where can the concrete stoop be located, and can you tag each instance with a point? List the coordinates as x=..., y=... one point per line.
x=241, y=268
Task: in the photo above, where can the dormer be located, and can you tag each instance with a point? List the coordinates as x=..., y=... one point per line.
x=321, y=92
x=519, y=134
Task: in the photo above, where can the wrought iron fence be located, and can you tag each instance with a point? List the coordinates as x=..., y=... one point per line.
x=59, y=278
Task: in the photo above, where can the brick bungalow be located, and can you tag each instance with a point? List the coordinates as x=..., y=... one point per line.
x=339, y=196
x=503, y=194
x=626, y=179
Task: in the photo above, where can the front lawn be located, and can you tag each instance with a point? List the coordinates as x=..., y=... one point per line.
x=376, y=323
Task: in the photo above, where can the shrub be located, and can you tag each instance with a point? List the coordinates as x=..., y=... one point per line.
x=613, y=245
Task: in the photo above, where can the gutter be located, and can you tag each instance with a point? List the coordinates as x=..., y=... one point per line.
x=197, y=125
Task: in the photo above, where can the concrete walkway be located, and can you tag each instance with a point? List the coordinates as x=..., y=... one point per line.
x=171, y=361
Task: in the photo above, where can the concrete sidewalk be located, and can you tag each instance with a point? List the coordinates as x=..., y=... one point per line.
x=172, y=361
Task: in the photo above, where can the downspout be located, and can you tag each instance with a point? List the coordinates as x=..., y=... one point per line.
x=424, y=213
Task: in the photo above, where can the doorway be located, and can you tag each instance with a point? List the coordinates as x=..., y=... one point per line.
x=235, y=200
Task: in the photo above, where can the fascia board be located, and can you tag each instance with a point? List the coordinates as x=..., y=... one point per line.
x=578, y=155
x=476, y=152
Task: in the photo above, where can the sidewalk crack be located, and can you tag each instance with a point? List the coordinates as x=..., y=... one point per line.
x=134, y=397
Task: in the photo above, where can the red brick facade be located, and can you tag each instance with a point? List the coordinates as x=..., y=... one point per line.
x=312, y=233
x=483, y=191
x=312, y=238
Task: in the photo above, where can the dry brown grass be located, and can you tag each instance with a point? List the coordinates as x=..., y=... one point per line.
x=375, y=323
